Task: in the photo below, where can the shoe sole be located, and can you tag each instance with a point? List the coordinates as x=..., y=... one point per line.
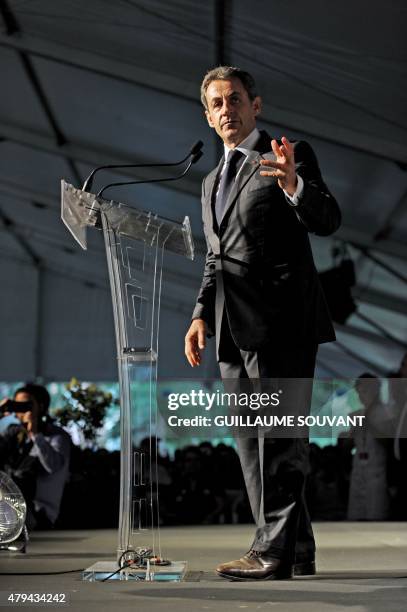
x=251, y=579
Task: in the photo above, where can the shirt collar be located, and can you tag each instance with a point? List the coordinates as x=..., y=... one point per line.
x=245, y=146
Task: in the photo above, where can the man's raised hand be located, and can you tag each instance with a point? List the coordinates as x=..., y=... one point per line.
x=284, y=166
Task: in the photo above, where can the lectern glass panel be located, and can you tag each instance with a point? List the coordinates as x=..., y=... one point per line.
x=135, y=242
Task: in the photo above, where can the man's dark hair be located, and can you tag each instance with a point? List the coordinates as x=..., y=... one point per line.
x=367, y=375
x=223, y=73
x=39, y=393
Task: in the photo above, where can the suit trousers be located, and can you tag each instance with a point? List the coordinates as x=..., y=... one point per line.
x=274, y=467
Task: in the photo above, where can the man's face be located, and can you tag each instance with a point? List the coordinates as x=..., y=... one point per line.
x=230, y=111
x=368, y=390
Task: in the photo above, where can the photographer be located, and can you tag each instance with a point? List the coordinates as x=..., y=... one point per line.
x=35, y=454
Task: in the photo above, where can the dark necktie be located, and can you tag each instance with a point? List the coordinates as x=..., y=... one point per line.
x=227, y=180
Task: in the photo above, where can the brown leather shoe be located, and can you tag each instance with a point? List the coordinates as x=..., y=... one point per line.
x=255, y=566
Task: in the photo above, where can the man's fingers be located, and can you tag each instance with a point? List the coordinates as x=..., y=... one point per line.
x=285, y=150
x=277, y=173
x=272, y=168
x=283, y=167
x=191, y=351
x=192, y=357
x=272, y=164
x=276, y=149
x=287, y=144
x=288, y=149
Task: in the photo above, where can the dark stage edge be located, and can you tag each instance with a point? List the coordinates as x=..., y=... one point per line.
x=362, y=567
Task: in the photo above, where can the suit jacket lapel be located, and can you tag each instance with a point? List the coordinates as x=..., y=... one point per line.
x=210, y=190
x=211, y=182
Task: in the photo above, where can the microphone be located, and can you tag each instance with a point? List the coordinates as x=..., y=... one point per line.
x=87, y=185
x=194, y=158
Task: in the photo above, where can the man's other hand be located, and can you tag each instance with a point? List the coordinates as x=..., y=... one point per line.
x=195, y=342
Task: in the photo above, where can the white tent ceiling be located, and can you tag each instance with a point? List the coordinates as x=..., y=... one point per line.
x=115, y=82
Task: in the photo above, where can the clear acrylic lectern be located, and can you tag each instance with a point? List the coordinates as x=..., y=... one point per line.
x=135, y=243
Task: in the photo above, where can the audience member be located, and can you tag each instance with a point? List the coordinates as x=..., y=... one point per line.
x=398, y=452
x=368, y=495
x=35, y=454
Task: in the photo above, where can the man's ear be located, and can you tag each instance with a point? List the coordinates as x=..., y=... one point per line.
x=257, y=105
x=208, y=118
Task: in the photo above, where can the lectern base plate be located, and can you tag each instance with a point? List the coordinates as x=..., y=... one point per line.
x=107, y=570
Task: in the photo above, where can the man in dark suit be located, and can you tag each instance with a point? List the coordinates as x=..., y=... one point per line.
x=261, y=297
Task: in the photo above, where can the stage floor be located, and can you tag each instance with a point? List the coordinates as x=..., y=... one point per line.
x=362, y=567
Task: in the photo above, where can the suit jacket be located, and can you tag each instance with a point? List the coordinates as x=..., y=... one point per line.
x=259, y=267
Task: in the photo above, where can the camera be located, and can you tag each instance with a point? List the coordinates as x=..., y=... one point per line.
x=13, y=406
